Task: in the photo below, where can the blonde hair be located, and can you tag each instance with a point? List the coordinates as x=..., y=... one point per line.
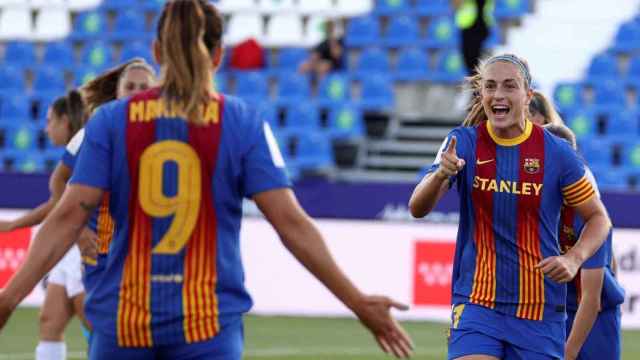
x=541, y=105
x=104, y=88
x=473, y=83
x=188, y=32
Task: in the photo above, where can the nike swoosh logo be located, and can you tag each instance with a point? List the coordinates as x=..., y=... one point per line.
x=482, y=162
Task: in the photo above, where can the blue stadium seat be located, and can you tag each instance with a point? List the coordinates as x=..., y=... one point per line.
x=582, y=122
x=596, y=151
x=433, y=8
x=627, y=38
x=89, y=25
x=20, y=54
x=362, y=31
x=97, y=55
x=41, y=102
x=603, y=67
x=293, y=88
x=631, y=153
x=84, y=75
x=267, y=111
x=29, y=162
x=345, y=121
x=303, y=115
x=49, y=79
x=609, y=93
x=511, y=9
x=153, y=5
x=377, y=93
x=334, y=89
x=611, y=178
x=402, y=31
x=442, y=33
x=140, y=49
x=129, y=25
x=307, y=151
x=118, y=5
x=633, y=72
x=59, y=54
x=372, y=61
x=22, y=137
x=252, y=86
x=449, y=67
x=623, y=124
x=412, y=65
x=391, y=7
x=12, y=80
x=568, y=96
x=289, y=59
x=14, y=109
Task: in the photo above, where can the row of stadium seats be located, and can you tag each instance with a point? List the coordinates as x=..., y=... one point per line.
x=75, y=5
x=571, y=97
x=614, y=121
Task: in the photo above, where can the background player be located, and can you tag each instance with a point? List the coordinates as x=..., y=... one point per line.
x=203, y=152
x=510, y=198
x=594, y=295
x=65, y=294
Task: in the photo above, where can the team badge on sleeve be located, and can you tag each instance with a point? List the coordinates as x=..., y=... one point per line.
x=531, y=166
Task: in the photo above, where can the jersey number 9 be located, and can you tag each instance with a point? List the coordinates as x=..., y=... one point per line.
x=184, y=205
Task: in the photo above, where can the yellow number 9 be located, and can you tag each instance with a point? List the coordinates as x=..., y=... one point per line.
x=185, y=205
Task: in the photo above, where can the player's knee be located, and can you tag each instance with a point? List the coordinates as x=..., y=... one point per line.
x=51, y=326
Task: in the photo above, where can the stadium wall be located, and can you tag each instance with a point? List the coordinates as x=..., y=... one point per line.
x=409, y=261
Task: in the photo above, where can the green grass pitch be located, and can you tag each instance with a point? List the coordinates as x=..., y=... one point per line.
x=282, y=338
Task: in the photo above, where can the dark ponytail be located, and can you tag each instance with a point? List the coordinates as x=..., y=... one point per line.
x=73, y=106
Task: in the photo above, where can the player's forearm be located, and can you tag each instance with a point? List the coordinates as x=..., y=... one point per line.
x=33, y=217
x=57, y=234
x=592, y=237
x=427, y=194
x=305, y=242
x=585, y=318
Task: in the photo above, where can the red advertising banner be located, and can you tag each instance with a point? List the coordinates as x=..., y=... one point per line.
x=433, y=264
x=13, y=249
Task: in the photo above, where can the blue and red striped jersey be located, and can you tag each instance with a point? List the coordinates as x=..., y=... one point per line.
x=511, y=192
x=173, y=272
x=571, y=226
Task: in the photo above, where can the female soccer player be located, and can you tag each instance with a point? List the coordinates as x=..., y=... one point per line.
x=64, y=295
x=67, y=284
x=541, y=111
x=594, y=295
x=177, y=161
x=513, y=178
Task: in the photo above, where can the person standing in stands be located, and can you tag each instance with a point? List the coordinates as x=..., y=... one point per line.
x=177, y=161
x=327, y=56
x=513, y=177
x=474, y=18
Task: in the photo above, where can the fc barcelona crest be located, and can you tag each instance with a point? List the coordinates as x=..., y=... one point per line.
x=531, y=166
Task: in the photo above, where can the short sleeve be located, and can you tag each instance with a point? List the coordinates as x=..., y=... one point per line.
x=71, y=150
x=574, y=180
x=443, y=148
x=599, y=258
x=93, y=166
x=263, y=164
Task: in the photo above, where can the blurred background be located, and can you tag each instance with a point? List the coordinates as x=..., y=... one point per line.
x=360, y=94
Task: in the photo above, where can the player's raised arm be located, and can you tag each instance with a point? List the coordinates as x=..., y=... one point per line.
x=302, y=238
x=435, y=184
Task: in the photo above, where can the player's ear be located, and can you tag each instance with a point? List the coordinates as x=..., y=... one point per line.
x=157, y=54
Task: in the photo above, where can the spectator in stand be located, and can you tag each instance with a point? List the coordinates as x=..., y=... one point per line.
x=327, y=56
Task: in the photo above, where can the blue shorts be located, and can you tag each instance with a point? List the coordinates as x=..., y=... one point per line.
x=477, y=330
x=227, y=345
x=603, y=341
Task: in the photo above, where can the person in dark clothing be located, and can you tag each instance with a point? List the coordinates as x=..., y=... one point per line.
x=327, y=56
x=474, y=18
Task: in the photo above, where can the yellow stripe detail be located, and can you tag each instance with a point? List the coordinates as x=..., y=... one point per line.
x=528, y=128
x=570, y=187
x=583, y=199
x=576, y=189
